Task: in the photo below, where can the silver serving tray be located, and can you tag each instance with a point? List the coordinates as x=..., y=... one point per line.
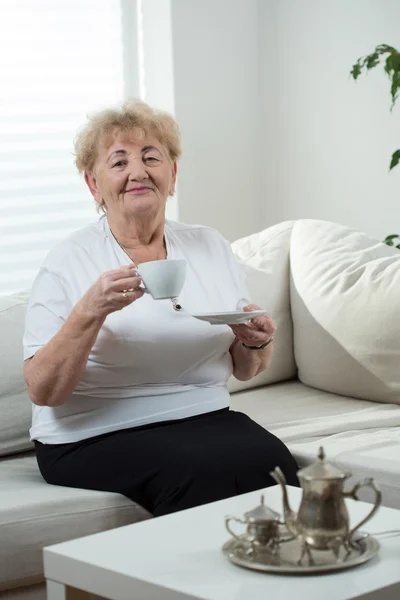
x=285, y=561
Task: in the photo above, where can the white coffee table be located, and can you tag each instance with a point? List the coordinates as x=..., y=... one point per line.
x=178, y=557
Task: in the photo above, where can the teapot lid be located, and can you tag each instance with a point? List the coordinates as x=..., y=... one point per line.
x=322, y=470
x=262, y=513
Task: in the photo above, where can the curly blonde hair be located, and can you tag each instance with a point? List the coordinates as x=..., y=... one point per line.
x=133, y=116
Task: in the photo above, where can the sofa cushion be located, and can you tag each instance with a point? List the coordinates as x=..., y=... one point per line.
x=357, y=435
x=264, y=258
x=15, y=406
x=34, y=514
x=345, y=295
x=365, y=453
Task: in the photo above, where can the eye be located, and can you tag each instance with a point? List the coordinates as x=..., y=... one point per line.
x=120, y=163
x=151, y=160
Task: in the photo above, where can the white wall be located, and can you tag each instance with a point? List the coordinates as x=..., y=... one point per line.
x=269, y=109
x=329, y=138
x=273, y=126
x=156, y=64
x=201, y=62
x=217, y=104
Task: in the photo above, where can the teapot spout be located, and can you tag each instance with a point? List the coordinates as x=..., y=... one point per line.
x=290, y=516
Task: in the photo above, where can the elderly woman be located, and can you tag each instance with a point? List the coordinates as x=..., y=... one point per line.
x=129, y=394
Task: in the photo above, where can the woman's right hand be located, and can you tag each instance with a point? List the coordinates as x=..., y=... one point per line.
x=112, y=291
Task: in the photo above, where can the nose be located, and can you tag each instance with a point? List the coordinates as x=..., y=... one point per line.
x=137, y=170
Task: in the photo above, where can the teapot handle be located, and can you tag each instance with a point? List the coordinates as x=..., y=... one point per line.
x=369, y=482
x=230, y=518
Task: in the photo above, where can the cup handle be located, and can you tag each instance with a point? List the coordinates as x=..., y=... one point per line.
x=368, y=482
x=227, y=520
x=142, y=285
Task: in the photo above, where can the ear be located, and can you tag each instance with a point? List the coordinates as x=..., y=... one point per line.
x=174, y=174
x=91, y=183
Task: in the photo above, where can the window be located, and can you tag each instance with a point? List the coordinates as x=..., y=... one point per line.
x=60, y=59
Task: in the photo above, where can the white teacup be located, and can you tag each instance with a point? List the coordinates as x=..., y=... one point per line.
x=163, y=278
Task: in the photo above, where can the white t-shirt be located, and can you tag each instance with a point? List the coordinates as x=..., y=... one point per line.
x=149, y=363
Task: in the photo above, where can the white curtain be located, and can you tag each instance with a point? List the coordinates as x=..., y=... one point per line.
x=59, y=60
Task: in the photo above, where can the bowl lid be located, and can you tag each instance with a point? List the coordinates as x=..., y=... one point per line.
x=262, y=513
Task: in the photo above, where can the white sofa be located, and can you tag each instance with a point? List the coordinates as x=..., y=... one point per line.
x=334, y=379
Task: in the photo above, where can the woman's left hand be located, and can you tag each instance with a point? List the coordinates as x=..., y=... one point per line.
x=257, y=331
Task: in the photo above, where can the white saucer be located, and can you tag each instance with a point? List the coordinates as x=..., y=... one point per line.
x=229, y=318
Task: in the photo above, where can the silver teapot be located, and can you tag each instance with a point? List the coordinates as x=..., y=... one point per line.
x=262, y=528
x=322, y=521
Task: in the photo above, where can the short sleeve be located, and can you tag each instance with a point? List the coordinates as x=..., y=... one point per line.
x=48, y=309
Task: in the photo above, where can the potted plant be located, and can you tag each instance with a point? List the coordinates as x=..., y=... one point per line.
x=390, y=58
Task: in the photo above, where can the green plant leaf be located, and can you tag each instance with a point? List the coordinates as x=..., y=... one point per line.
x=395, y=60
x=389, y=240
x=395, y=159
x=394, y=88
x=389, y=65
x=356, y=70
x=392, y=69
x=381, y=48
x=372, y=60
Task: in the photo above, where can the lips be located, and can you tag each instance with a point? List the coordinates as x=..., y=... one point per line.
x=138, y=190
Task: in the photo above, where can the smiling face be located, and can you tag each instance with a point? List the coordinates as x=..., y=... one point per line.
x=132, y=177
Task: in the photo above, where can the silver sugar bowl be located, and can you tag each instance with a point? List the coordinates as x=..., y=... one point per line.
x=262, y=528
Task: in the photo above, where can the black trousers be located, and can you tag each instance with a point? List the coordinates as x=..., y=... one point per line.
x=173, y=465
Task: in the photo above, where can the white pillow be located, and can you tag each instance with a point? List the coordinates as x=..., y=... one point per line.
x=345, y=294
x=15, y=406
x=264, y=258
